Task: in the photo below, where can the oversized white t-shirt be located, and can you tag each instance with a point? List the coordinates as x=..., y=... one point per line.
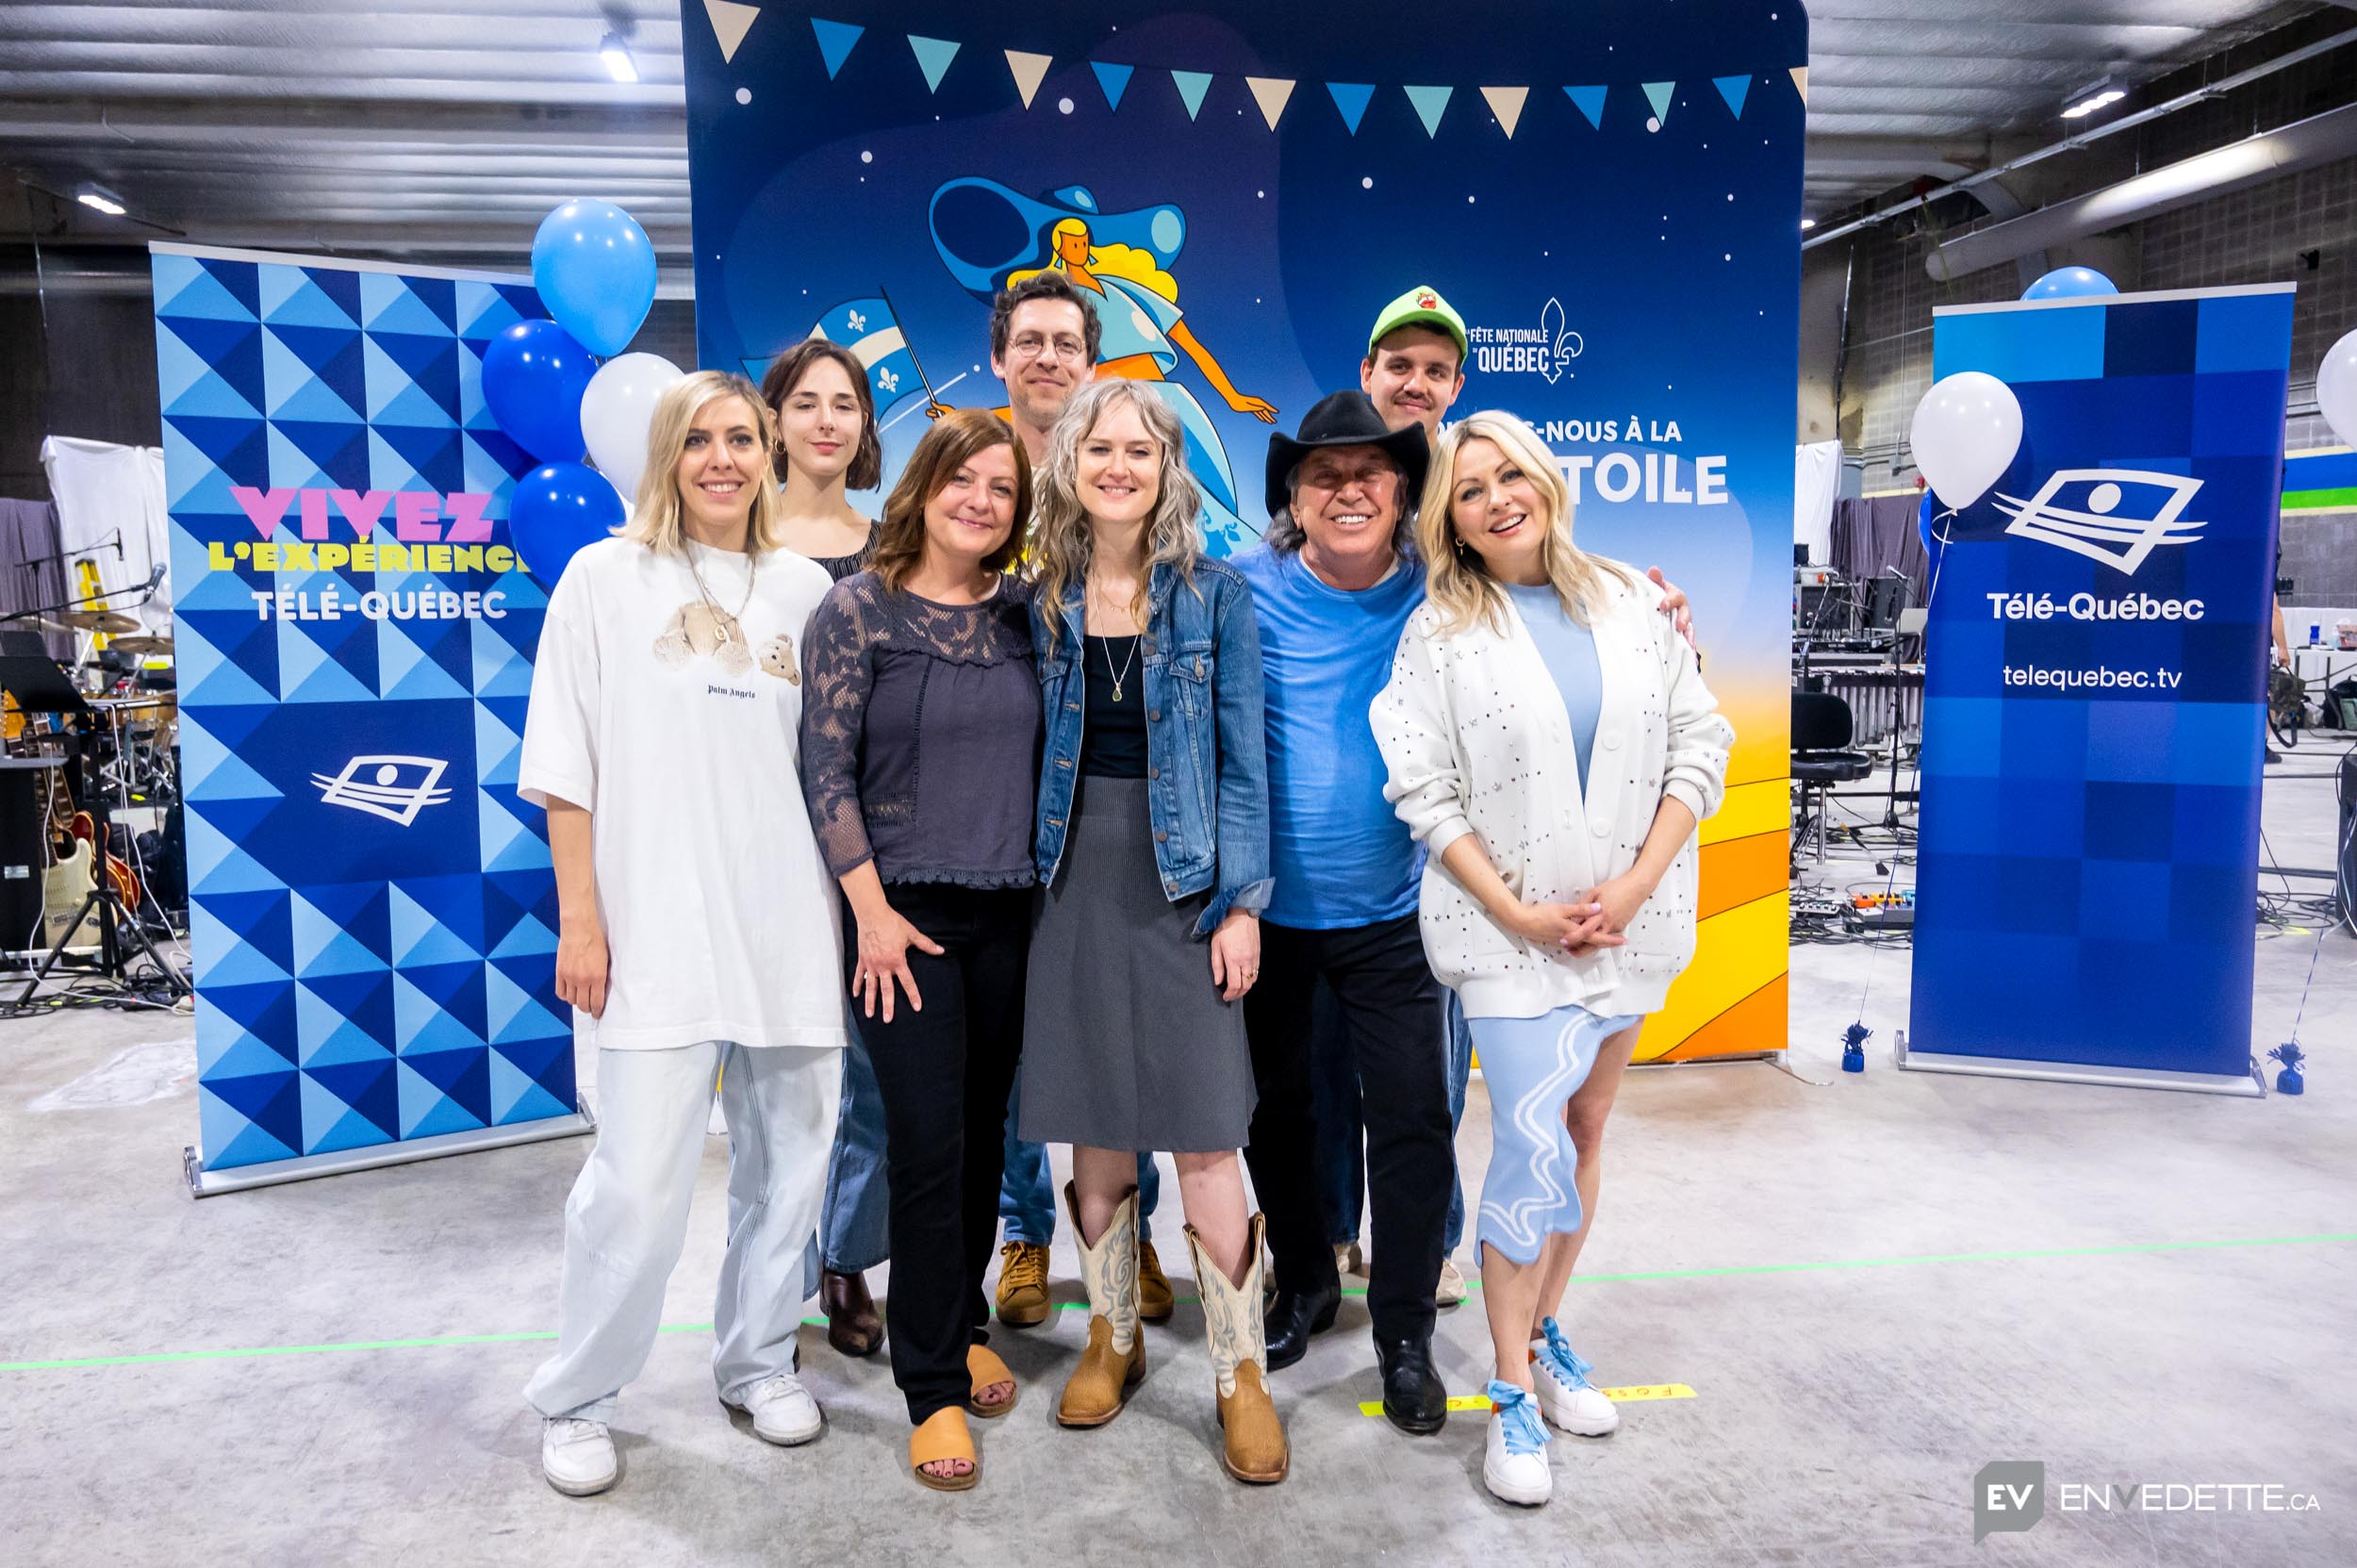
x=678, y=730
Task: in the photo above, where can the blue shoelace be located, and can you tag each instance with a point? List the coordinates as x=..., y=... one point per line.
x=1524, y=1432
x=1568, y=1368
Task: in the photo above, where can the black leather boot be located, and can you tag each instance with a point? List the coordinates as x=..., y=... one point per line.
x=1294, y=1316
x=1412, y=1395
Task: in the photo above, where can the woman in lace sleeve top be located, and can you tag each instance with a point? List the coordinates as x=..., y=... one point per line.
x=920, y=745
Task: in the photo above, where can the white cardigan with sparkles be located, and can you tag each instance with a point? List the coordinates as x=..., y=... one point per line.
x=1478, y=740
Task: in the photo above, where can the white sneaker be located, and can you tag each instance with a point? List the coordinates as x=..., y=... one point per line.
x=577, y=1456
x=783, y=1411
x=1565, y=1394
x=1515, y=1468
x=1451, y=1288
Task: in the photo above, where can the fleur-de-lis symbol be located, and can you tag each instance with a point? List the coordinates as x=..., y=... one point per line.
x=858, y=322
x=888, y=381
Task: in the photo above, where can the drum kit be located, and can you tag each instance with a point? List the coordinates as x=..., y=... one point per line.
x=102, y=736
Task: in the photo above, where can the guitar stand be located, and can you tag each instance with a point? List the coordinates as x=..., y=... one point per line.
x=115, y=918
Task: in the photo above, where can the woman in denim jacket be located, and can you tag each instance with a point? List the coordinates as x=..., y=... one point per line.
x=1152, y=850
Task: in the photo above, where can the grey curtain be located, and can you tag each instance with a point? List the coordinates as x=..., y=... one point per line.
x=1874, y=536
x=28, y=533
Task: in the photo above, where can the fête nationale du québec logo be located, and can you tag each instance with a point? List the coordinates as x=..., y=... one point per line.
x=1546, y=350
x=2115, y=515
x=395, y=789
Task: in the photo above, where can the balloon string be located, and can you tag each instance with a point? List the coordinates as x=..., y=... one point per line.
x=1931, y=596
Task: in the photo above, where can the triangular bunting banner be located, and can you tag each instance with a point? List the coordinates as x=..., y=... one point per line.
x=1506, y=104
x=1734, y=89
x=1271, y=93
x=730, y=23
x=1430, y=101
x=1658, y=94
x=1800, y=83
x=1114, y=79
x=1192, y=85
x=835, y=42
x=1352, y=98
x=934, y=55
x=1030, y=71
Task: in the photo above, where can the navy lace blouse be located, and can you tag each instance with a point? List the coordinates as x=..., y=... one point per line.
x=921, y=733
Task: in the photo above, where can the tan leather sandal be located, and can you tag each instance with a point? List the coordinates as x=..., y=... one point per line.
x=984, y=1367
x=944, y=1435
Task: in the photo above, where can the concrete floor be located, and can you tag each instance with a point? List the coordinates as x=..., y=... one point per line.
x=1874, y=1287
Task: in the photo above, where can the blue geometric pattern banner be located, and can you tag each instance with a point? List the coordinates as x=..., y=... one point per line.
x=371, y=905
x=2094, y=687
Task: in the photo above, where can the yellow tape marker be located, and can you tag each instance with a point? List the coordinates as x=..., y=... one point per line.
x=1618, y=1395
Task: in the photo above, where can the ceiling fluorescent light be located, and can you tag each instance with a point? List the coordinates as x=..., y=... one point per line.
x=2088, y=99
x=99, y=199
x=616, y=54
x=1807, y=224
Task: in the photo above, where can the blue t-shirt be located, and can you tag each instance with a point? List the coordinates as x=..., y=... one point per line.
x=1340, y=854
x=1568, y=651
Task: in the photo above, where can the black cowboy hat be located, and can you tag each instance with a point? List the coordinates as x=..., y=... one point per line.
x=1344, y=418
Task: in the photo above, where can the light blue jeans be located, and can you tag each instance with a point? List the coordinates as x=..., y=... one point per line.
x=626, y=1221
x=1027, y=1188
x=1343, y=1133
x=853, y=1229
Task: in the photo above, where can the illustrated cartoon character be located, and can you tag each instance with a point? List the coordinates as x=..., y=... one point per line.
x=1120, y=262
x=697, y=631
x=777, y=658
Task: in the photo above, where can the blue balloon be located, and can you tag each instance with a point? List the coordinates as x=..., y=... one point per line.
x=555, y=510
x=2070, y=283
x=594, y=267
x=534, y=375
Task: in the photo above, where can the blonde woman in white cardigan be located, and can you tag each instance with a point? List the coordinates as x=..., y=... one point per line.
x=1550, y=740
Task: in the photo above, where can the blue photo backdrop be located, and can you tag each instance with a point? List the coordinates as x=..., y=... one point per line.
x=2094, y=687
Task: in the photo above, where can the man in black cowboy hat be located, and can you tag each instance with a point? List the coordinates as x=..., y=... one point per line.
x=1332, y=586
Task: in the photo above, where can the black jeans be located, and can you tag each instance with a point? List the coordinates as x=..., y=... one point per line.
x=943, y=1074
x=1392, y=1005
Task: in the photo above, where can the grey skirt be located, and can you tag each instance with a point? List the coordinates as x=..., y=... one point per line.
x=1125, y=1041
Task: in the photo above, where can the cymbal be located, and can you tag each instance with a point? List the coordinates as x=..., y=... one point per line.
x=143, y=643
x=112, y=622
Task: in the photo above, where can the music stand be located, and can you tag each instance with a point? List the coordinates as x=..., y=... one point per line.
x=40, y=686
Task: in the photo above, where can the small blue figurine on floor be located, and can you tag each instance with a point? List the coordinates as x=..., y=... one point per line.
x=2289, y=1080
x=1853, y=1048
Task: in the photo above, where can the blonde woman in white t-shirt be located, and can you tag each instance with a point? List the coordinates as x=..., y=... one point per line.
x=1550, y=740
x=699, y=931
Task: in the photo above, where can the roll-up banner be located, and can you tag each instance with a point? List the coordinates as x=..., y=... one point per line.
x=371, y=906
x=2094, y=717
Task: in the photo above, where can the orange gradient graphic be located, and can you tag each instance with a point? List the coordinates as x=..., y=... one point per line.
x=1730, y=1001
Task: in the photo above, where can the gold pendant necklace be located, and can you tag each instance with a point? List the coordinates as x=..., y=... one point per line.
x=1123, y=673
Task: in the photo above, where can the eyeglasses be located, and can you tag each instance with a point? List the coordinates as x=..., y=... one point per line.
x=1033, y=346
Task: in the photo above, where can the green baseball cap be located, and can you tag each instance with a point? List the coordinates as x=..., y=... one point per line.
x=1419, y=306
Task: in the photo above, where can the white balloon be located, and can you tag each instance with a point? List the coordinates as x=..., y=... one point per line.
x=615, y=411
x=2336, y=389
x=1966, y=432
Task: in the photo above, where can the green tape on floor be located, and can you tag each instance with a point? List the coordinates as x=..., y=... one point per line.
x=2026, y=1254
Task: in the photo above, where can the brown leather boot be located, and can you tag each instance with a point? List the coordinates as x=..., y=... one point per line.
x=1256, y=1447
x=1116, y=1357
x=853, y=1326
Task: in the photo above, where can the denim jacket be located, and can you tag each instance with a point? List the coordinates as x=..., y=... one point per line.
x=1206, y=757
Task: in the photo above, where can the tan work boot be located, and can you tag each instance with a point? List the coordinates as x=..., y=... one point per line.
x=1022, y=1284
x=1155, y=1302
x=1256, y=1449
x=1116, y=1357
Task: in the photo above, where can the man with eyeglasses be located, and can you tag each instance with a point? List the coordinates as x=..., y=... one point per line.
x=1043, y=342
